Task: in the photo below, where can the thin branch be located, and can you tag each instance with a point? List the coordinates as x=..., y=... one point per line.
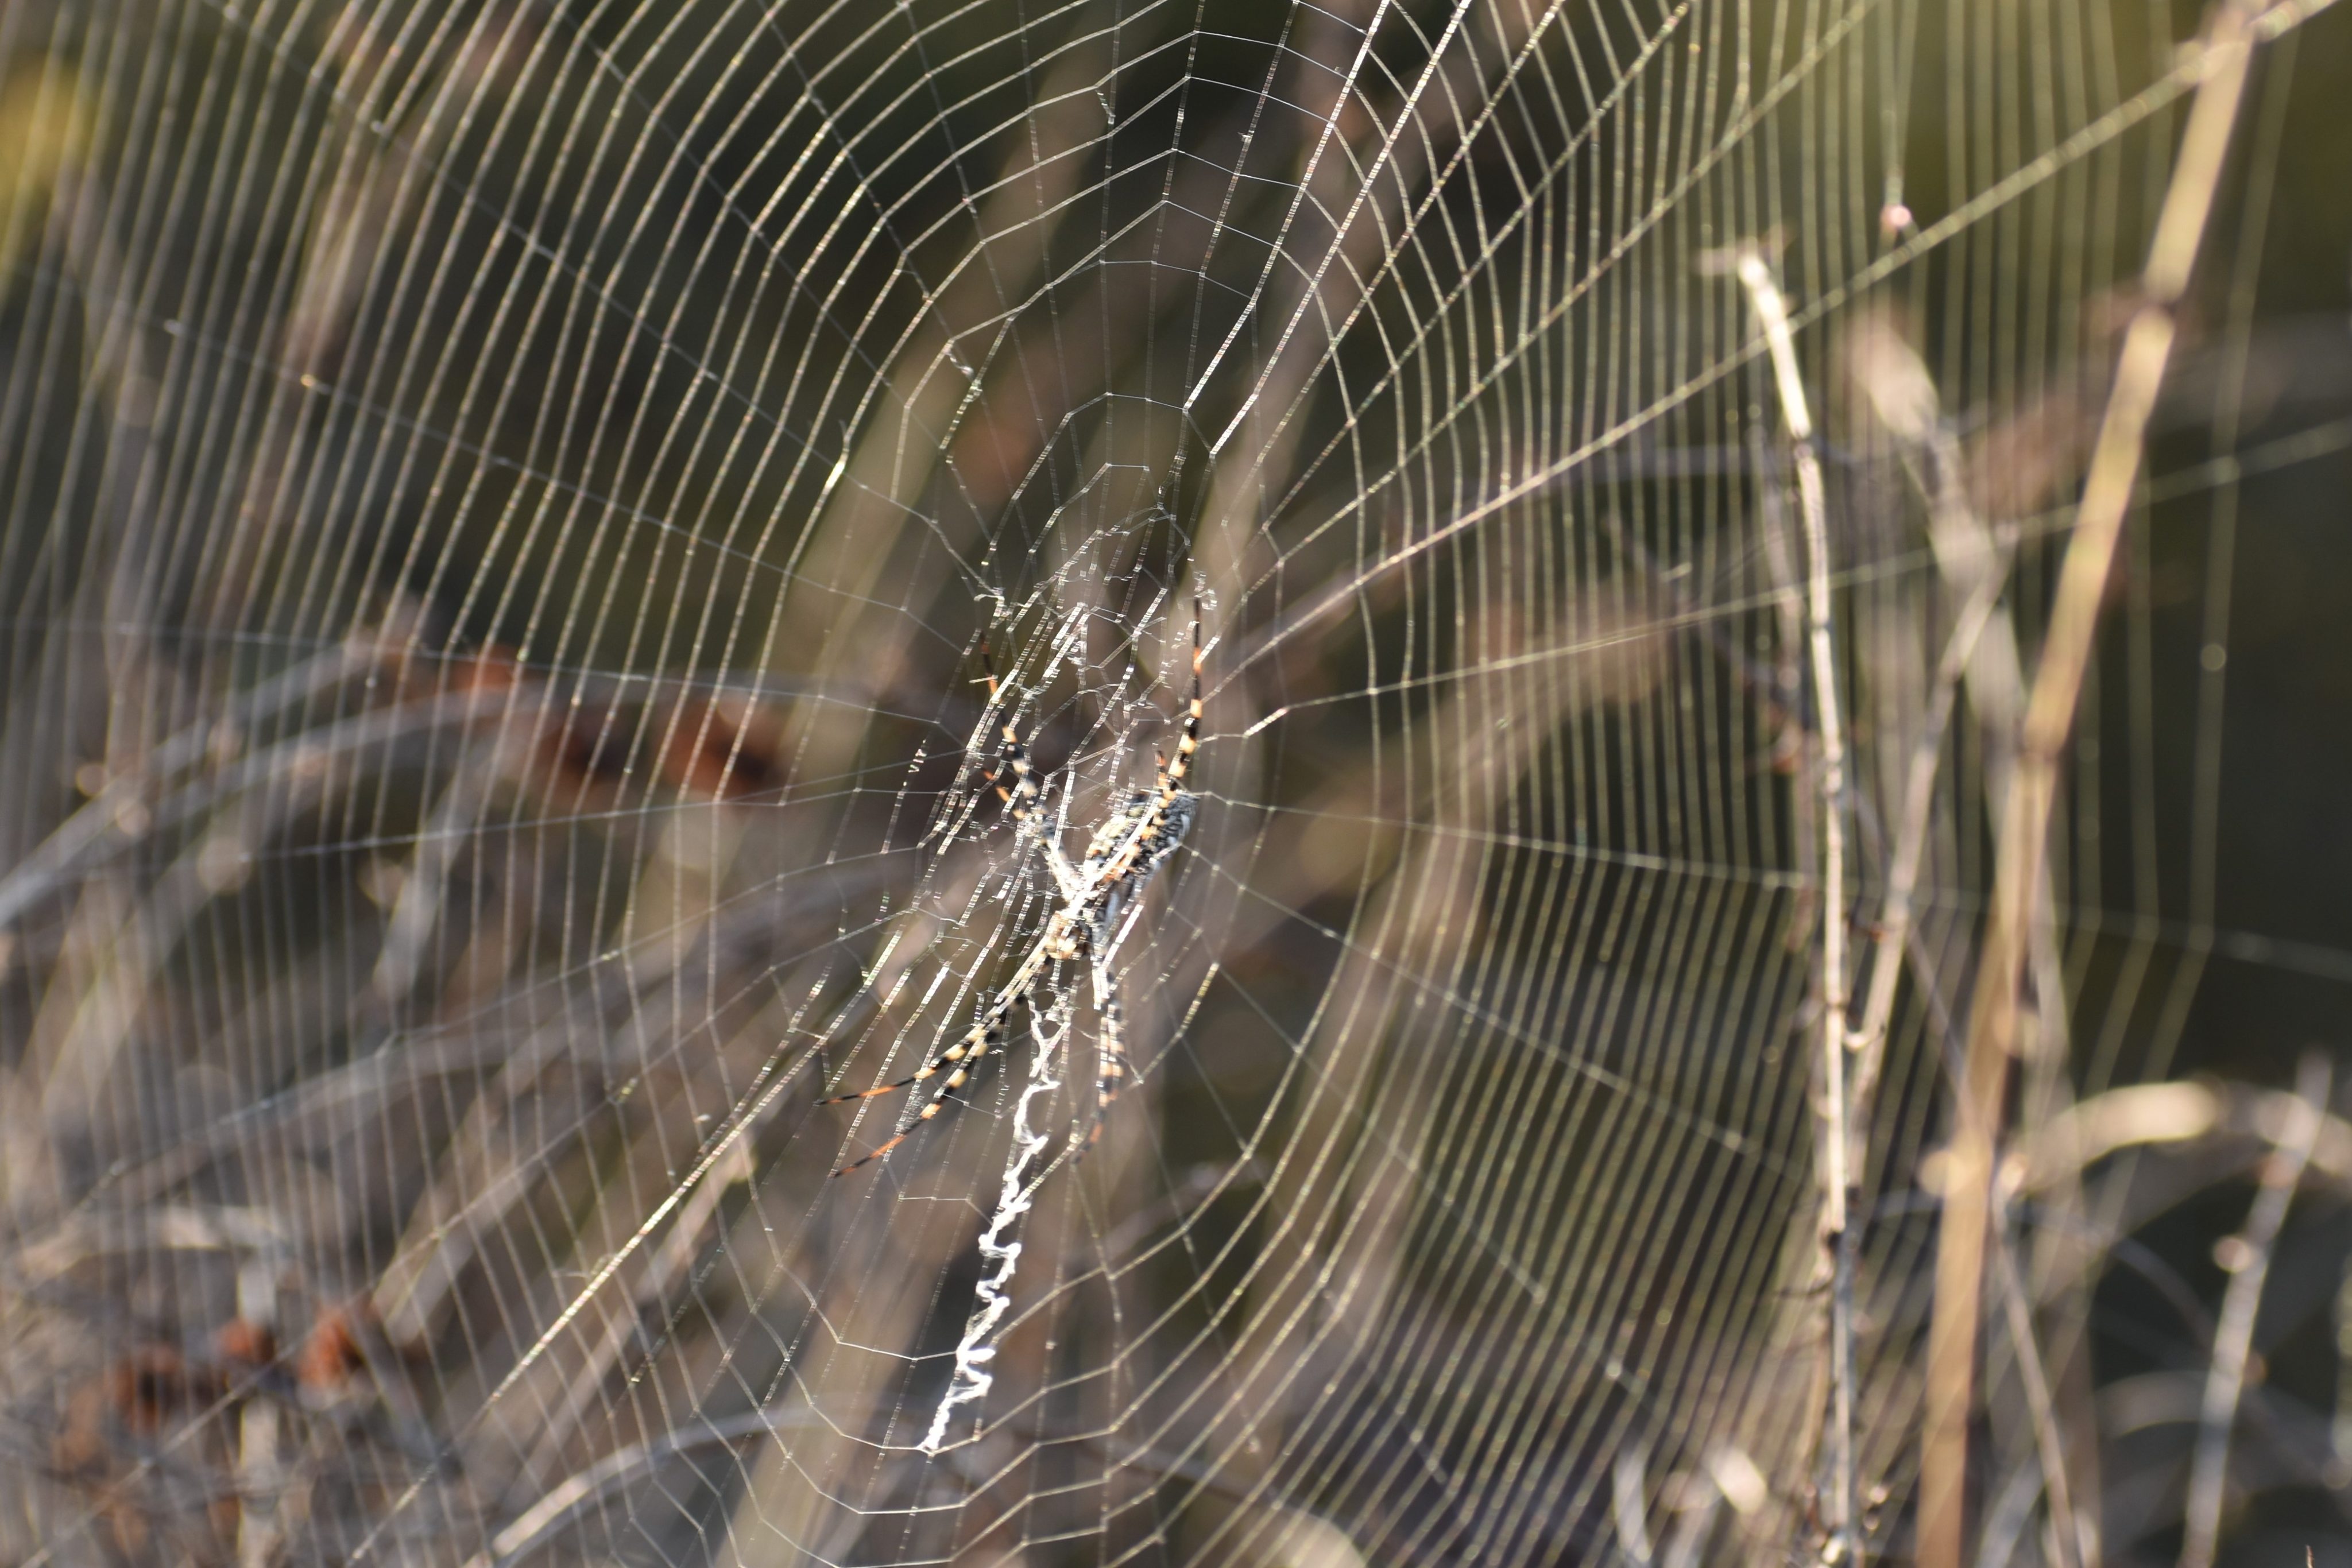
x=1764, y=297
x=2074, y=1544
x=1911, y=833
x=2234, y=1338
x=2122, y=1119
x=2040, y=1407
x=536, y=1524
x=1982, y=647
x=128, y=798
x=2024, y=828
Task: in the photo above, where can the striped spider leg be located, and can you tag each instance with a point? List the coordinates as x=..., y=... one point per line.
x=1124, y=853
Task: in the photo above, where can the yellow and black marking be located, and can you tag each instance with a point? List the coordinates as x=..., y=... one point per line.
x=986, y=1036
x=952, y=1054
x=1113, y=1066
x=1023, y=793
x=1143, y=833
x=1171, y=774
x=963, y=1053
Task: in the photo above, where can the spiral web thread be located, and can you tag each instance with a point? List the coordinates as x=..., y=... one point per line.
x=509, y=507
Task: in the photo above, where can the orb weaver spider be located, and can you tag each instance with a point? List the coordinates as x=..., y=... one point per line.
x=1109, y=881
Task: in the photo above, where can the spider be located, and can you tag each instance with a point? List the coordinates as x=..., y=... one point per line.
x=1109, y=880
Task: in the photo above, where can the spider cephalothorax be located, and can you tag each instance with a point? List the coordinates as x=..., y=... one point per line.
x=1105, y=883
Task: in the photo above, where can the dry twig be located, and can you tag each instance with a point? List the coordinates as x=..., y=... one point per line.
x=2250, y=1262
x=2024, y=828
x=1764, y=297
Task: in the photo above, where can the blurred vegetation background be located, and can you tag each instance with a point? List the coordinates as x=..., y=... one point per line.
x=509, y=511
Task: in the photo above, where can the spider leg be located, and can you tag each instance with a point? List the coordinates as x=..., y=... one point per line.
x=956, y=1062
x=1021, y=799
x=1171, y=774
x=1110, y=1070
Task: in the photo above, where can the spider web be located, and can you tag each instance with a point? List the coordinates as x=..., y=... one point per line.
x=511, y=509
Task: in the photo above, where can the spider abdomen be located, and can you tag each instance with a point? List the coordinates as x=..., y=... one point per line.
x=1134, y=840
